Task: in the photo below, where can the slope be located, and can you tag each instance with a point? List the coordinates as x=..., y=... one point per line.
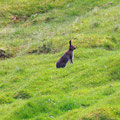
x=30, y=85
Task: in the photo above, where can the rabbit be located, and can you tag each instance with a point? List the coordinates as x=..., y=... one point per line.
x=67, y=56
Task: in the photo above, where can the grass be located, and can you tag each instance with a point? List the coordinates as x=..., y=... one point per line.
x=30, y=85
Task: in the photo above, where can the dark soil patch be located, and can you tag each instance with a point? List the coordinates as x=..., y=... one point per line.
x=4, y=54
x=45, y=48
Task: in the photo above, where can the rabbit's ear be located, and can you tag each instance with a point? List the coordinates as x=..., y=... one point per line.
x=70, y=43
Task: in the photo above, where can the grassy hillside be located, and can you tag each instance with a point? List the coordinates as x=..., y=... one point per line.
x=30, y=85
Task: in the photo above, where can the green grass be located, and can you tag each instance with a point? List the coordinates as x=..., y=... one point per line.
x=30, y=85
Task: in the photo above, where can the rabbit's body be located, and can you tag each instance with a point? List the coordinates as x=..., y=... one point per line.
x=67, y=56
x=63, y=60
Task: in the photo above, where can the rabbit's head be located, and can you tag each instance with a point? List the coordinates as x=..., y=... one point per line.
x=71, y=47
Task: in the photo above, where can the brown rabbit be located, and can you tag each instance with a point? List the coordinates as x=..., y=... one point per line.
x=68, y=56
